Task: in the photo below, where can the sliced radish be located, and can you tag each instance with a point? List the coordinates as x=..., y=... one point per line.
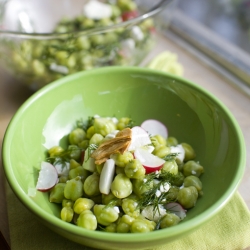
x=180, y=152
x=62, y=169
x=47, y=178
x=129, y=15
x=139, y=138
x=155, y=127
x=150, y=162
x=176, y=209
x=107, y=176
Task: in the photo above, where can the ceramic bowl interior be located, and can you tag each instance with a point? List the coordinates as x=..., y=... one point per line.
x=191, y=114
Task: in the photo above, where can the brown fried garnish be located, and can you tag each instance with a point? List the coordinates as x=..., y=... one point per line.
x=115, y=145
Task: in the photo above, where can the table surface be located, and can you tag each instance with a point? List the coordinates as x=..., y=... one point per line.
x=12, y=95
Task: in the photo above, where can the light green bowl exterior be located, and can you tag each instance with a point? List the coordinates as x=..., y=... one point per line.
x=191, y=114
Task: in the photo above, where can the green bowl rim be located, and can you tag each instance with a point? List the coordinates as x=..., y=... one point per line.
x=185, y=226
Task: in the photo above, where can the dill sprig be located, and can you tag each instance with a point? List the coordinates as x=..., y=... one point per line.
x=156, y=195
x=170, y=157
x=130, y=124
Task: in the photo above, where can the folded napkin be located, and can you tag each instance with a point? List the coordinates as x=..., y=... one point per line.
x=229, y=230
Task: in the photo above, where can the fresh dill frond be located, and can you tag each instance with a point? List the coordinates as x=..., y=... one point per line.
x=170, y=157
x=130, y=124
x=90, y=149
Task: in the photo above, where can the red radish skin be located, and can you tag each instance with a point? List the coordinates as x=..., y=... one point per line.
x=155, y=127
x=129, y=15
x=176, y=209
x=47, y=178
x=150, y=162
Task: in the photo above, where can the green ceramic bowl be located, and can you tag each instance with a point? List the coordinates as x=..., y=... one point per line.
x=191, y=114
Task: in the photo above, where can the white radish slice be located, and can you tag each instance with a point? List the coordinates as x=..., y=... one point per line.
x=62, y=168
x=107, y=176
x=176, y=209
x=149, y=161
x=47, y=178
x=153, y=215
x=139, y=138
x=179, y=150
x=155, y=127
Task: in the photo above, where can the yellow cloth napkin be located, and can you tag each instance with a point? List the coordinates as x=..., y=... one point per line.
x=228, y=230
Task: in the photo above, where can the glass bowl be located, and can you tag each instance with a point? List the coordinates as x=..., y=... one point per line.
x=41, y=41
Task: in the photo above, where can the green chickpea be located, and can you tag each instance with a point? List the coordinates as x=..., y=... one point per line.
x=97, y=39
x=119, y=170
x=139, y=188
x=90, y=132
x=99, y=168
x=87, y=220
x=192, y=168
x=123, y=123
x=158, y=140
x=111, y=199
x=129, y=207
x=104, y=126
x=73, y=189
x=76, y=136
x=82, y=204
x=140, y=225
x=83, y=43
x=121, y=186
x=67, y=203
x=134, y=169
x=55, y=151
x=187, y=197
x=161, y=151
x=91, y=184
x=62, y=57
x=172, y=193
x=75, y=152
x=73, y=164
x=67, y=214
x=96, y=139
x=79, y=171
x=171, y=167
x=84, y=144
x=189, y=152
x=172, y=141
x=124, y=224
x=169, y=220
x=192, y=180
x=57, y=193
x=105, y=215
x=121, y=160
x=111, y=228
x=63, y=179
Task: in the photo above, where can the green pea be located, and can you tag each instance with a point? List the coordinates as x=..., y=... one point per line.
x=76, y=136
x=67, y=214
x=91, y=184
x=87, y=220
x=119, y=170
x=84, y=144
x=73, y=189
x=189, y=152
x=134, y=169
x=63, y=179
x=192, y=168
x=90, y=132
x=83, y=43
x=121, y=186
x=104, y=126
x=73, y=164
x=158, y=140
x=57, y=193
x=105, y=214
x=124, y=224
x=111, y=228
x=169, y=220
x=97, y=39
x=123, y=123
x=82, y=204
x=192, y=180
x=187, y=197
x=172, y=193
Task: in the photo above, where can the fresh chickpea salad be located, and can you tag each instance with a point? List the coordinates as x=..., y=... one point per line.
x=42, y=61
x=117, y=177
